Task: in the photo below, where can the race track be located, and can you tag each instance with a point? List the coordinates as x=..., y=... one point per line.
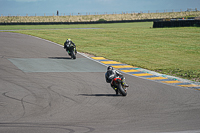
x=44, y=91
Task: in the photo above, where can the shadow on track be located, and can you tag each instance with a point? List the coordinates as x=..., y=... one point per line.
x=59, y=57
x=101, y=95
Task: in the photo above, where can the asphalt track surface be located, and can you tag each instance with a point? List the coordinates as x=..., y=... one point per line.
x=44, y=91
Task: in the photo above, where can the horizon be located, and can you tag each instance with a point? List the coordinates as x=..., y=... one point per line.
x=93, y=7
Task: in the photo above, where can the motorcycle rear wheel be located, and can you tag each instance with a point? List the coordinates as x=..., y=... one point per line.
x=121, y=90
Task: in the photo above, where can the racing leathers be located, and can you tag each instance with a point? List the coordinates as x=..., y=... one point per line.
x=68, y=41
x=111, y=74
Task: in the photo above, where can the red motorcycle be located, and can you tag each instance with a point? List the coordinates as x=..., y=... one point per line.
x=119, y=87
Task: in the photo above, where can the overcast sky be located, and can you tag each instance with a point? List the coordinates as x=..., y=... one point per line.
x=65, y=7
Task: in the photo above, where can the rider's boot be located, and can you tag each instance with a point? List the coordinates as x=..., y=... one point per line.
x=124, y=83
x=116, y=91
x=114, y=88
x=69, y=53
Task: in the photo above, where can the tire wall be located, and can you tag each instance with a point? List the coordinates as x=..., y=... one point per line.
x=178, y=23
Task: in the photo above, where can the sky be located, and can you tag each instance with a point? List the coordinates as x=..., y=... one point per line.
x=83, y=7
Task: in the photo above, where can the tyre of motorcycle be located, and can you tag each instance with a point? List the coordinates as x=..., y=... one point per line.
x=121, y=90
x=73, y=56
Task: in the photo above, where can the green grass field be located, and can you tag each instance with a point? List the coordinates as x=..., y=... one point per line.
x=172, y=51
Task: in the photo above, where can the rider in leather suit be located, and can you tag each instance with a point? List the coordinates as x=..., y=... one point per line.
x=69, y=41
x=111, y=74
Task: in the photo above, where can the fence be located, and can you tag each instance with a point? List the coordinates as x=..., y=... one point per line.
x=100, y=13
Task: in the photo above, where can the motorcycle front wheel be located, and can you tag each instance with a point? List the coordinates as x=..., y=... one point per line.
x=73, y=55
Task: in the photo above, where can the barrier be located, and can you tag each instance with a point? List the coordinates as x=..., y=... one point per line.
x=176, y=23
x=68, y=23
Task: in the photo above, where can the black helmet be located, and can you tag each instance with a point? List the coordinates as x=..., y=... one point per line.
x=109, y=68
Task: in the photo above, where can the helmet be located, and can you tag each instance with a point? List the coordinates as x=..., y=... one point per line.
x=109, y=68
x=68, y=40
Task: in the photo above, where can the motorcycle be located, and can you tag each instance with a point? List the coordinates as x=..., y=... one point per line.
x=71, y=49
x=119, y=87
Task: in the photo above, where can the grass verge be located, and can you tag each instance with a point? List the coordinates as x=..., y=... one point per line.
x=172, y=51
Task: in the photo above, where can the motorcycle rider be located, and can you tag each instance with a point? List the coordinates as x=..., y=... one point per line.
x=111, y=74
x=69, y=41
